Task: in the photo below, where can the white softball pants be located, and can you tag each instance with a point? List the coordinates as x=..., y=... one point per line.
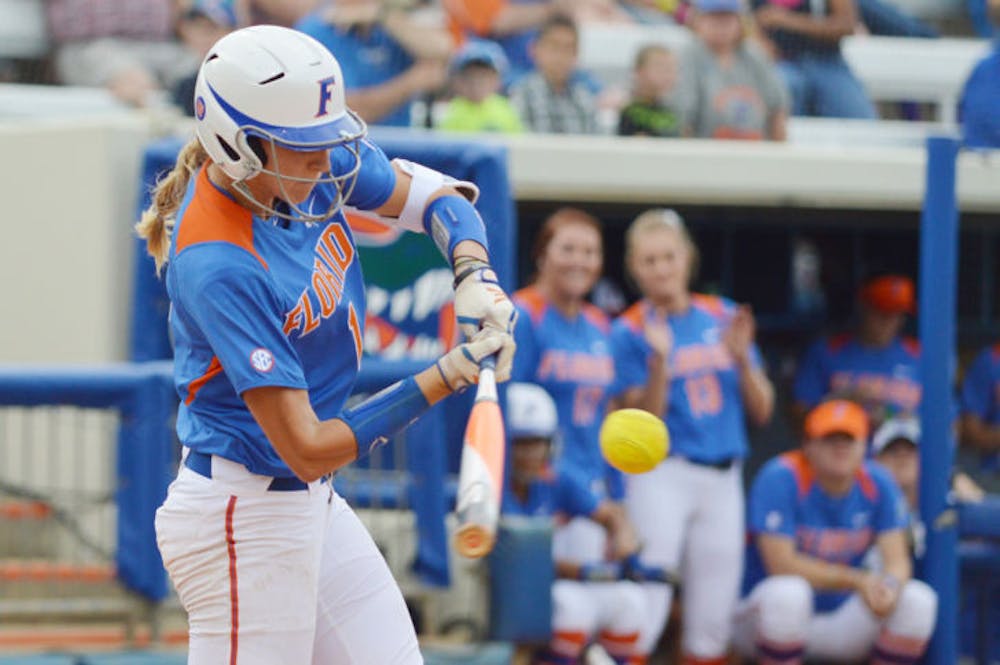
x=610, y=613
x=278, y=578
x=776, y=624
x=690, y=519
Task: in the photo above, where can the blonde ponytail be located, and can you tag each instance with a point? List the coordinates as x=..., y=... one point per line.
x=158, y=219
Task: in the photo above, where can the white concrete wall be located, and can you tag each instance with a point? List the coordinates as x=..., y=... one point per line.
x=68, y=190
x=68, y=187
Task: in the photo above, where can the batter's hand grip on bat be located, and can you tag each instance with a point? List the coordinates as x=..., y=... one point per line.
x=480, y=480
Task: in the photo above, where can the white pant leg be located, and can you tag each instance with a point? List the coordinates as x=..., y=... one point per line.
x=244, y=562
x=622, y=608
x=659, y=503
x=361, y=618
x=906, y=632
x=713, y=562
x=575, y=612
x=772, y=623
x=846, y=634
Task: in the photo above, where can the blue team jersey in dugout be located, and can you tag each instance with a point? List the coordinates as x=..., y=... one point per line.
x=705, y=415
x=564, y=494
x=786, y=500
x=888, y=375
x=981, y=387
x=261, y=302
x=571, y=358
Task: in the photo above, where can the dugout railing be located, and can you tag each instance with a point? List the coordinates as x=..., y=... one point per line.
x=86, y=455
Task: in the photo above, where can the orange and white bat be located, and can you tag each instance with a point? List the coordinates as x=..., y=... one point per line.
x=480, y=479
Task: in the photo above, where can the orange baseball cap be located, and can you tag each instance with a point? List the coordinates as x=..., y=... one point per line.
x=838, y=416
x=892, y=294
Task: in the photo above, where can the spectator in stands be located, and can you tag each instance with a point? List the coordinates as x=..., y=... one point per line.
x=727, y=89
x=648, y=113
x=562, y=340
x=881, y=17
x=199, y=27
x=388, y=59
x=874, y=365
x=980, y=420
x=690, y=359
x=981, y=96
x=126, y=46
x=592, y=599
x=514, y=24
x=813, y=515
x=551, y=99
x=477, y=105
x=805, y=38
x=278, y=12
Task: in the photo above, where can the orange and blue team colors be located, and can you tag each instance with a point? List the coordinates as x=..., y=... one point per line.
x=705, y=411
x=276, y=299
x=785, y=500
x=841, y=364
x=572, y=360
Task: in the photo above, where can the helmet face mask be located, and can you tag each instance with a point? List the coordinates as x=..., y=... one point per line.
x=286, y=89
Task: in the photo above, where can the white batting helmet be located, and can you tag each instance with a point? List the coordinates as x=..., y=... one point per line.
x=282, y=86
x=530, y=412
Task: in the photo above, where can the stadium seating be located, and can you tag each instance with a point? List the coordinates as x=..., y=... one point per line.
x=23, y=29
x=892, y=69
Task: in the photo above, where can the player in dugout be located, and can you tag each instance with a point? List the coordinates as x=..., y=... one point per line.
x=595, y=598
x=267, y=311
x=813, y=515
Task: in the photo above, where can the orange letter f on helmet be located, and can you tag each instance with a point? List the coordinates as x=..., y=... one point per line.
x=325, y=95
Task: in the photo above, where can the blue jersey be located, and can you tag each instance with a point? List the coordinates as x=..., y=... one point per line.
x=981, y=387
x=786, y=500
x=704, y=414
x=261, y=302
x=889, y=376
x=571, y=359
x=367, y=57
x=565, y=494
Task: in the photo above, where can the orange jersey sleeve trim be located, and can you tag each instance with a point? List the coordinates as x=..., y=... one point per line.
x=634, y=316
x=867, y=483
x=597, y=317
x=211, y=216
x=213, y=370
x=714, y=305
x=802, y=471
x=532, y=300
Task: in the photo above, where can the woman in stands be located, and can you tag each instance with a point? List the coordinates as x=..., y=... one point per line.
x=728, y=89
x=692, y=360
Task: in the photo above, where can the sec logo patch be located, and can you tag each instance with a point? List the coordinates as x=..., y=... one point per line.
x=199, y=107
x=262, y=360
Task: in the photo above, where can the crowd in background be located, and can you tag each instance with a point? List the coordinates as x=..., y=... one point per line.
x=512, y=65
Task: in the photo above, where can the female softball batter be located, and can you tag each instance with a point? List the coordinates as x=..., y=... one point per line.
x=690, y=359
x=267, y=314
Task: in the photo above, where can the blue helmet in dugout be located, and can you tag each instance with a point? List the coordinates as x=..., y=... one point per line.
x=276, y=85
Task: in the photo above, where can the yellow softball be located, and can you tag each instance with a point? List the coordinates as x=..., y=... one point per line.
x=633, y=440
